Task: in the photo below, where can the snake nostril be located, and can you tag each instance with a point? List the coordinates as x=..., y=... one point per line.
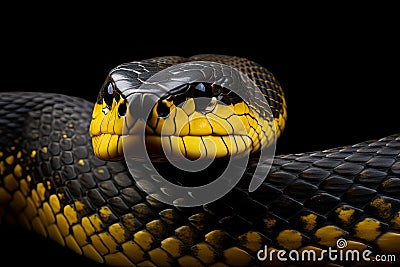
x=162, y=110
x=122, y=109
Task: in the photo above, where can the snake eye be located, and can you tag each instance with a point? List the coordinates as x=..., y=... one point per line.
x=162, y=110
x=200, y=88
x=108, y=95
x=122, y=109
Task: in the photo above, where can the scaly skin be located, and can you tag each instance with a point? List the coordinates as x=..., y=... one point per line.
x=52, y=183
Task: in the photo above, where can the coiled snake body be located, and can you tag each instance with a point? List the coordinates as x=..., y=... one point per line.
x=56, y=183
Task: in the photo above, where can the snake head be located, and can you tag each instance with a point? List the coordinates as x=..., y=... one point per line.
x=193, y=115
x=189, y=117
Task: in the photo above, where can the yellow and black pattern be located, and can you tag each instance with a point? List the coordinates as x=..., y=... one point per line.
x=218, y=132
x=52, y=183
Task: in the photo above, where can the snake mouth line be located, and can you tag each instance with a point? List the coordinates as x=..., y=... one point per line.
x=190, y=146
x=167, y=135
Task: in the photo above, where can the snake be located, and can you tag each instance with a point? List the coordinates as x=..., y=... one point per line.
x=64, y=177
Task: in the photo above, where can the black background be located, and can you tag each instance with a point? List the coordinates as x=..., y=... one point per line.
x=339, y=69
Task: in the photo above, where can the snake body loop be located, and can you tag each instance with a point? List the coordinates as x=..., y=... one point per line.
x=53, y=183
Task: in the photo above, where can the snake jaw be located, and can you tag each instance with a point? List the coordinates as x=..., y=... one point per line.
x=107, y=146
